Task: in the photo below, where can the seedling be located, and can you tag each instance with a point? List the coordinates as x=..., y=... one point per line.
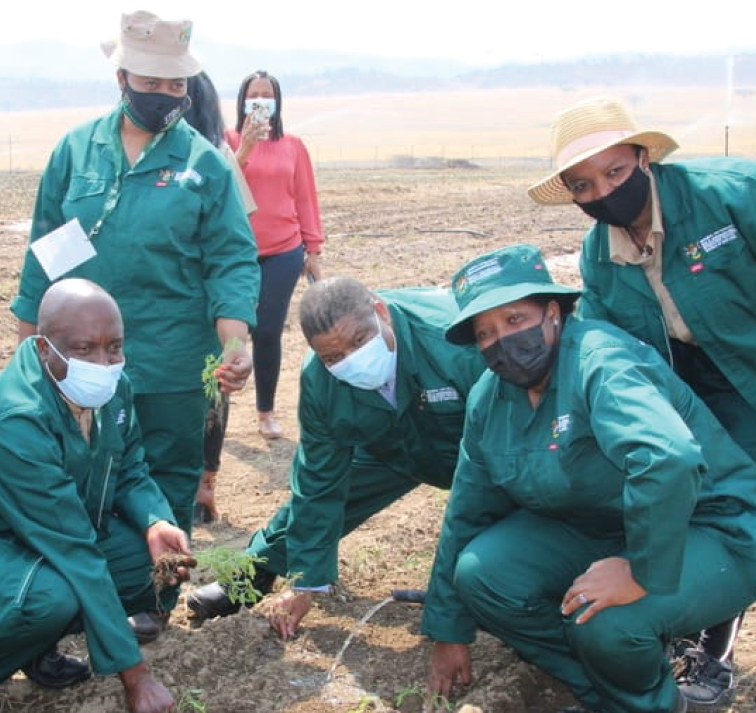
x=406, y=693
x=190, y=701
x=235, y=572
x=213, y=364
x=367, y=703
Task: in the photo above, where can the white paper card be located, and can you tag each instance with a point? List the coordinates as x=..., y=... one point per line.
x=63, y=249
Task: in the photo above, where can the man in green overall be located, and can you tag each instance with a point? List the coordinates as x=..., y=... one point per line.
x=81, y=521
x=381, y=407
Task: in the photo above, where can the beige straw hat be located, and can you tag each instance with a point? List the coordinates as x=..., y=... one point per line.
x=152, y=47
x=587, y=128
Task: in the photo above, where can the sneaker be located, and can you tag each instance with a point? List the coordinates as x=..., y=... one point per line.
x=56, y=670
x=707, y=682
x=212, y=600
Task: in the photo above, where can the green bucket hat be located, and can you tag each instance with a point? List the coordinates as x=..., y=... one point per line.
x=498, y=278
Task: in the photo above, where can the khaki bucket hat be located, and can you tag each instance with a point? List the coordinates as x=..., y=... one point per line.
x=497, y=278
x=587, y=128
x=152, y=47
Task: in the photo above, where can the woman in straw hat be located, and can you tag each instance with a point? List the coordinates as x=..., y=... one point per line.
x=671, y=259
x=168, y=238
x=594, y=499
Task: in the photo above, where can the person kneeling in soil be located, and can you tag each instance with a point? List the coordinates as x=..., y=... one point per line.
x=381, y=408
x=598, y=510
x=81, y=521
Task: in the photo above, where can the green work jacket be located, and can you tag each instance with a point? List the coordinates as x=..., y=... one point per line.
x=176, y=251
x=58, y=494
x=618, y=447
x=418, y=440
x=708, y=266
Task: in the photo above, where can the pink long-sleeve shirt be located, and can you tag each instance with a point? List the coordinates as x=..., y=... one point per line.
x=280, y=176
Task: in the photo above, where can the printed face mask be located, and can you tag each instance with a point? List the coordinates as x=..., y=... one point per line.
x=370, y=366
x=522, y=358
x=87, y=384
x=153, y=111
x=624, y=204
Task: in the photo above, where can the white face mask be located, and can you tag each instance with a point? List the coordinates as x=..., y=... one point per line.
x=87, y=384
x=370, y=366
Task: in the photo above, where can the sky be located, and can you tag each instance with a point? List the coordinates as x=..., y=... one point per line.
x=478, y=32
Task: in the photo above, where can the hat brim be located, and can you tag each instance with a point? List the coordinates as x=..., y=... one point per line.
x=552, y=191
x=461, y=330
x=149, y=64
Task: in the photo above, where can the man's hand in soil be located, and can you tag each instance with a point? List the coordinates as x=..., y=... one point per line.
x=287, y=610
x=144, y=693
x=166, y=539
x=450, y=663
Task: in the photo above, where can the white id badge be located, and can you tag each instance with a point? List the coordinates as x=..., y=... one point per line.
x=63, y=249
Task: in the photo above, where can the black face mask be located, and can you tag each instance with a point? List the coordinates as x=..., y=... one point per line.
x=522, y=358
x=152, y=111
x=624, y=204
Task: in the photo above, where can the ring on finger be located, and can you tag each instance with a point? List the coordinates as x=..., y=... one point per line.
x=582, y=599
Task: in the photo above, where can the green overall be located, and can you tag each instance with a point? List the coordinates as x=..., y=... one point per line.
x=357, y=454
x=72, y=520
x=175, y=250
x=619, y=458
x=709, y=268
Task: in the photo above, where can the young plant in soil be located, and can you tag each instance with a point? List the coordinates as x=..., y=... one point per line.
x=235, y=571
x=190, y=702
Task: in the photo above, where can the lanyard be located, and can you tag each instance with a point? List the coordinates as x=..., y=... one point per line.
x=114, y=194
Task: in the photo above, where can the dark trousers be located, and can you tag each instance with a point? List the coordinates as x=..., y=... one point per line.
x=279, y=275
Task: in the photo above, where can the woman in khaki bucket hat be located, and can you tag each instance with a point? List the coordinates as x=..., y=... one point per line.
x=594, y=499
x=671, y=259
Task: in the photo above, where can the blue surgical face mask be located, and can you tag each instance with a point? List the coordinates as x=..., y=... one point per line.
x=369, y=367
x=87, y=384
x=268, y=102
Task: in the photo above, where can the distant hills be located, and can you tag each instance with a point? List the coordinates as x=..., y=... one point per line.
x=52, y=75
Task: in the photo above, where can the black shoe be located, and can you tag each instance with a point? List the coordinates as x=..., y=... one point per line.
x=56, y=670
x=212, y=600
x=707, y=683
x=148, y=625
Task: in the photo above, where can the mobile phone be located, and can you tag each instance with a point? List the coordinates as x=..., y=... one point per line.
x=258, y=110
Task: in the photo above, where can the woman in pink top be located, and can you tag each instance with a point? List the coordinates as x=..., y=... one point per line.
x=286, y=224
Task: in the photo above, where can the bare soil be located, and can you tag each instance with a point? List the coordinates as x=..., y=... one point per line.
x=389, y=228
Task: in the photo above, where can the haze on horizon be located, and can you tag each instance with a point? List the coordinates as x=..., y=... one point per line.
x=476, y=32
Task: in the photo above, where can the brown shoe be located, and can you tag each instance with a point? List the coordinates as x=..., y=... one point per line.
x=268, y=427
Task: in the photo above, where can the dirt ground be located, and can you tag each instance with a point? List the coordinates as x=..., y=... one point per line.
x=390, y=228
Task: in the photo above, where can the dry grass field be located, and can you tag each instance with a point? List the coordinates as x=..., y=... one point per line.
x=493, y=127
x=390, y=227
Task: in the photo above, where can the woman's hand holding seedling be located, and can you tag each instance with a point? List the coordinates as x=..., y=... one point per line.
x=229, y=371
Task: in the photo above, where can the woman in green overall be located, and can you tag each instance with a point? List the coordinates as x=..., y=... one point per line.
x=595, y=498
x=671, y=258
